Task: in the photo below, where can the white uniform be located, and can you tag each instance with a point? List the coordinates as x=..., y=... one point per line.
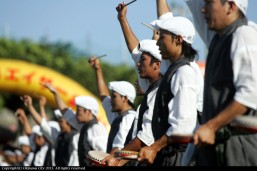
x=125, y=124
x=52, y=135
x=243, y=55
x=97, y=135
x=146, y=134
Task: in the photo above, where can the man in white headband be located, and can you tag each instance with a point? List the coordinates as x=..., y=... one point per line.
x=65, y=141
x=92, y=133
x=230, y=82
x=147, y=59
x=119, y=108
x=9, y=156
x=180, y=81
x=26, y=148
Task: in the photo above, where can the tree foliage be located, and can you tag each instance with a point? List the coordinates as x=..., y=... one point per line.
x=64, y=58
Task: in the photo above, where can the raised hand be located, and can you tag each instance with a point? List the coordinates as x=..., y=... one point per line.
x=50, y=87
x=94, y=62
x=27, y=100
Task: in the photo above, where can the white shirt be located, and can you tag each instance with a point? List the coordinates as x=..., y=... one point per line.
x=146, y=133
x=183, y=106
x=27, y=161
x=243, y=55
x=97, y=135
x=125, y=125
x=187, y=115
x=41, y=154
x=52, y=136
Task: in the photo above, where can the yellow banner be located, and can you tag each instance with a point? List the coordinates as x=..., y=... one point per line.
x=19, y=77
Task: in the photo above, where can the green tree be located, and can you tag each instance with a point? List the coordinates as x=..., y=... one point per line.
x=64, y=58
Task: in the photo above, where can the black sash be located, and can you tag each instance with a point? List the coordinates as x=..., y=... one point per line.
x=164, y=95
x=64, y=148
x=144, y=105
x=83, y=146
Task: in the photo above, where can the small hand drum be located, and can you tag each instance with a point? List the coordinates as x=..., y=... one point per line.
x=96, y=157
x=245, y=123
x=126, y=154
x=180, y=138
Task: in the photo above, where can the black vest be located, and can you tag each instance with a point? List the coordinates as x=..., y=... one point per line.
x=219, y=89
x=144, y=105
x=83, y=146
x=115, y=126
x=64, y=148
x=48, y=156
x=164, y=95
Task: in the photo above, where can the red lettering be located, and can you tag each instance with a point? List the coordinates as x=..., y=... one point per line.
x=28, y=77
x=71, y=102
x=44, y=80
x=12, y=74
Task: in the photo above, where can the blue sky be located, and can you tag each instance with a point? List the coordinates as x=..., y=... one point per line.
x=90, y=25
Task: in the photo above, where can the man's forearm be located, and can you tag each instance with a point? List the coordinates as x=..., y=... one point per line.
x=130, y=37
x=227, y=115
x=134, y=145
x=162, y=7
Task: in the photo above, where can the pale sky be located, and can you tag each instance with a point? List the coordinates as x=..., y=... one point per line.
x=90, y=25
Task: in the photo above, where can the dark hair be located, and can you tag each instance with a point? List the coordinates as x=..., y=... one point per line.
x=131, y=104
x=188, y=51
x=153, y=59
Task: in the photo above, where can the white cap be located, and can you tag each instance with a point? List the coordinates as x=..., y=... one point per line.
x=36, y=130
x=162, y=17
x=242, y=5
x=23, y=140
x=57, y=114
x=151, y=47
x=87, y=102
x=179, y=26
x=9, y=153
x=54, y=125
x=70, y=117
x=124, y=88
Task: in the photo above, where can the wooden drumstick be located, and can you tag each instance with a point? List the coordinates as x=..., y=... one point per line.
x=150, y=27
x=130, y=3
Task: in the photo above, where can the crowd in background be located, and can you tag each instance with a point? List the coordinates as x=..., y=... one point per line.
x=177, y=100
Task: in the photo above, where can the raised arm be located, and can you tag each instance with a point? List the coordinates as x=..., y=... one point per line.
x=60, y=103
x=162, y=7
x=130, y=38
x=45, y=127
x=23, y=119
x=42, y=104
x=102, y=87
x=27, y=100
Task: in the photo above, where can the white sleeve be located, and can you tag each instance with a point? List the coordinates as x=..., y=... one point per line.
x=183, y=106
x=74, y=159
x=47, y=132
x=135, y=123
x=200, y=24
x=146, y=134
x=125, y=125
x=243, y=56
x=108, y=109
x=200, y=85
x=97, y=137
